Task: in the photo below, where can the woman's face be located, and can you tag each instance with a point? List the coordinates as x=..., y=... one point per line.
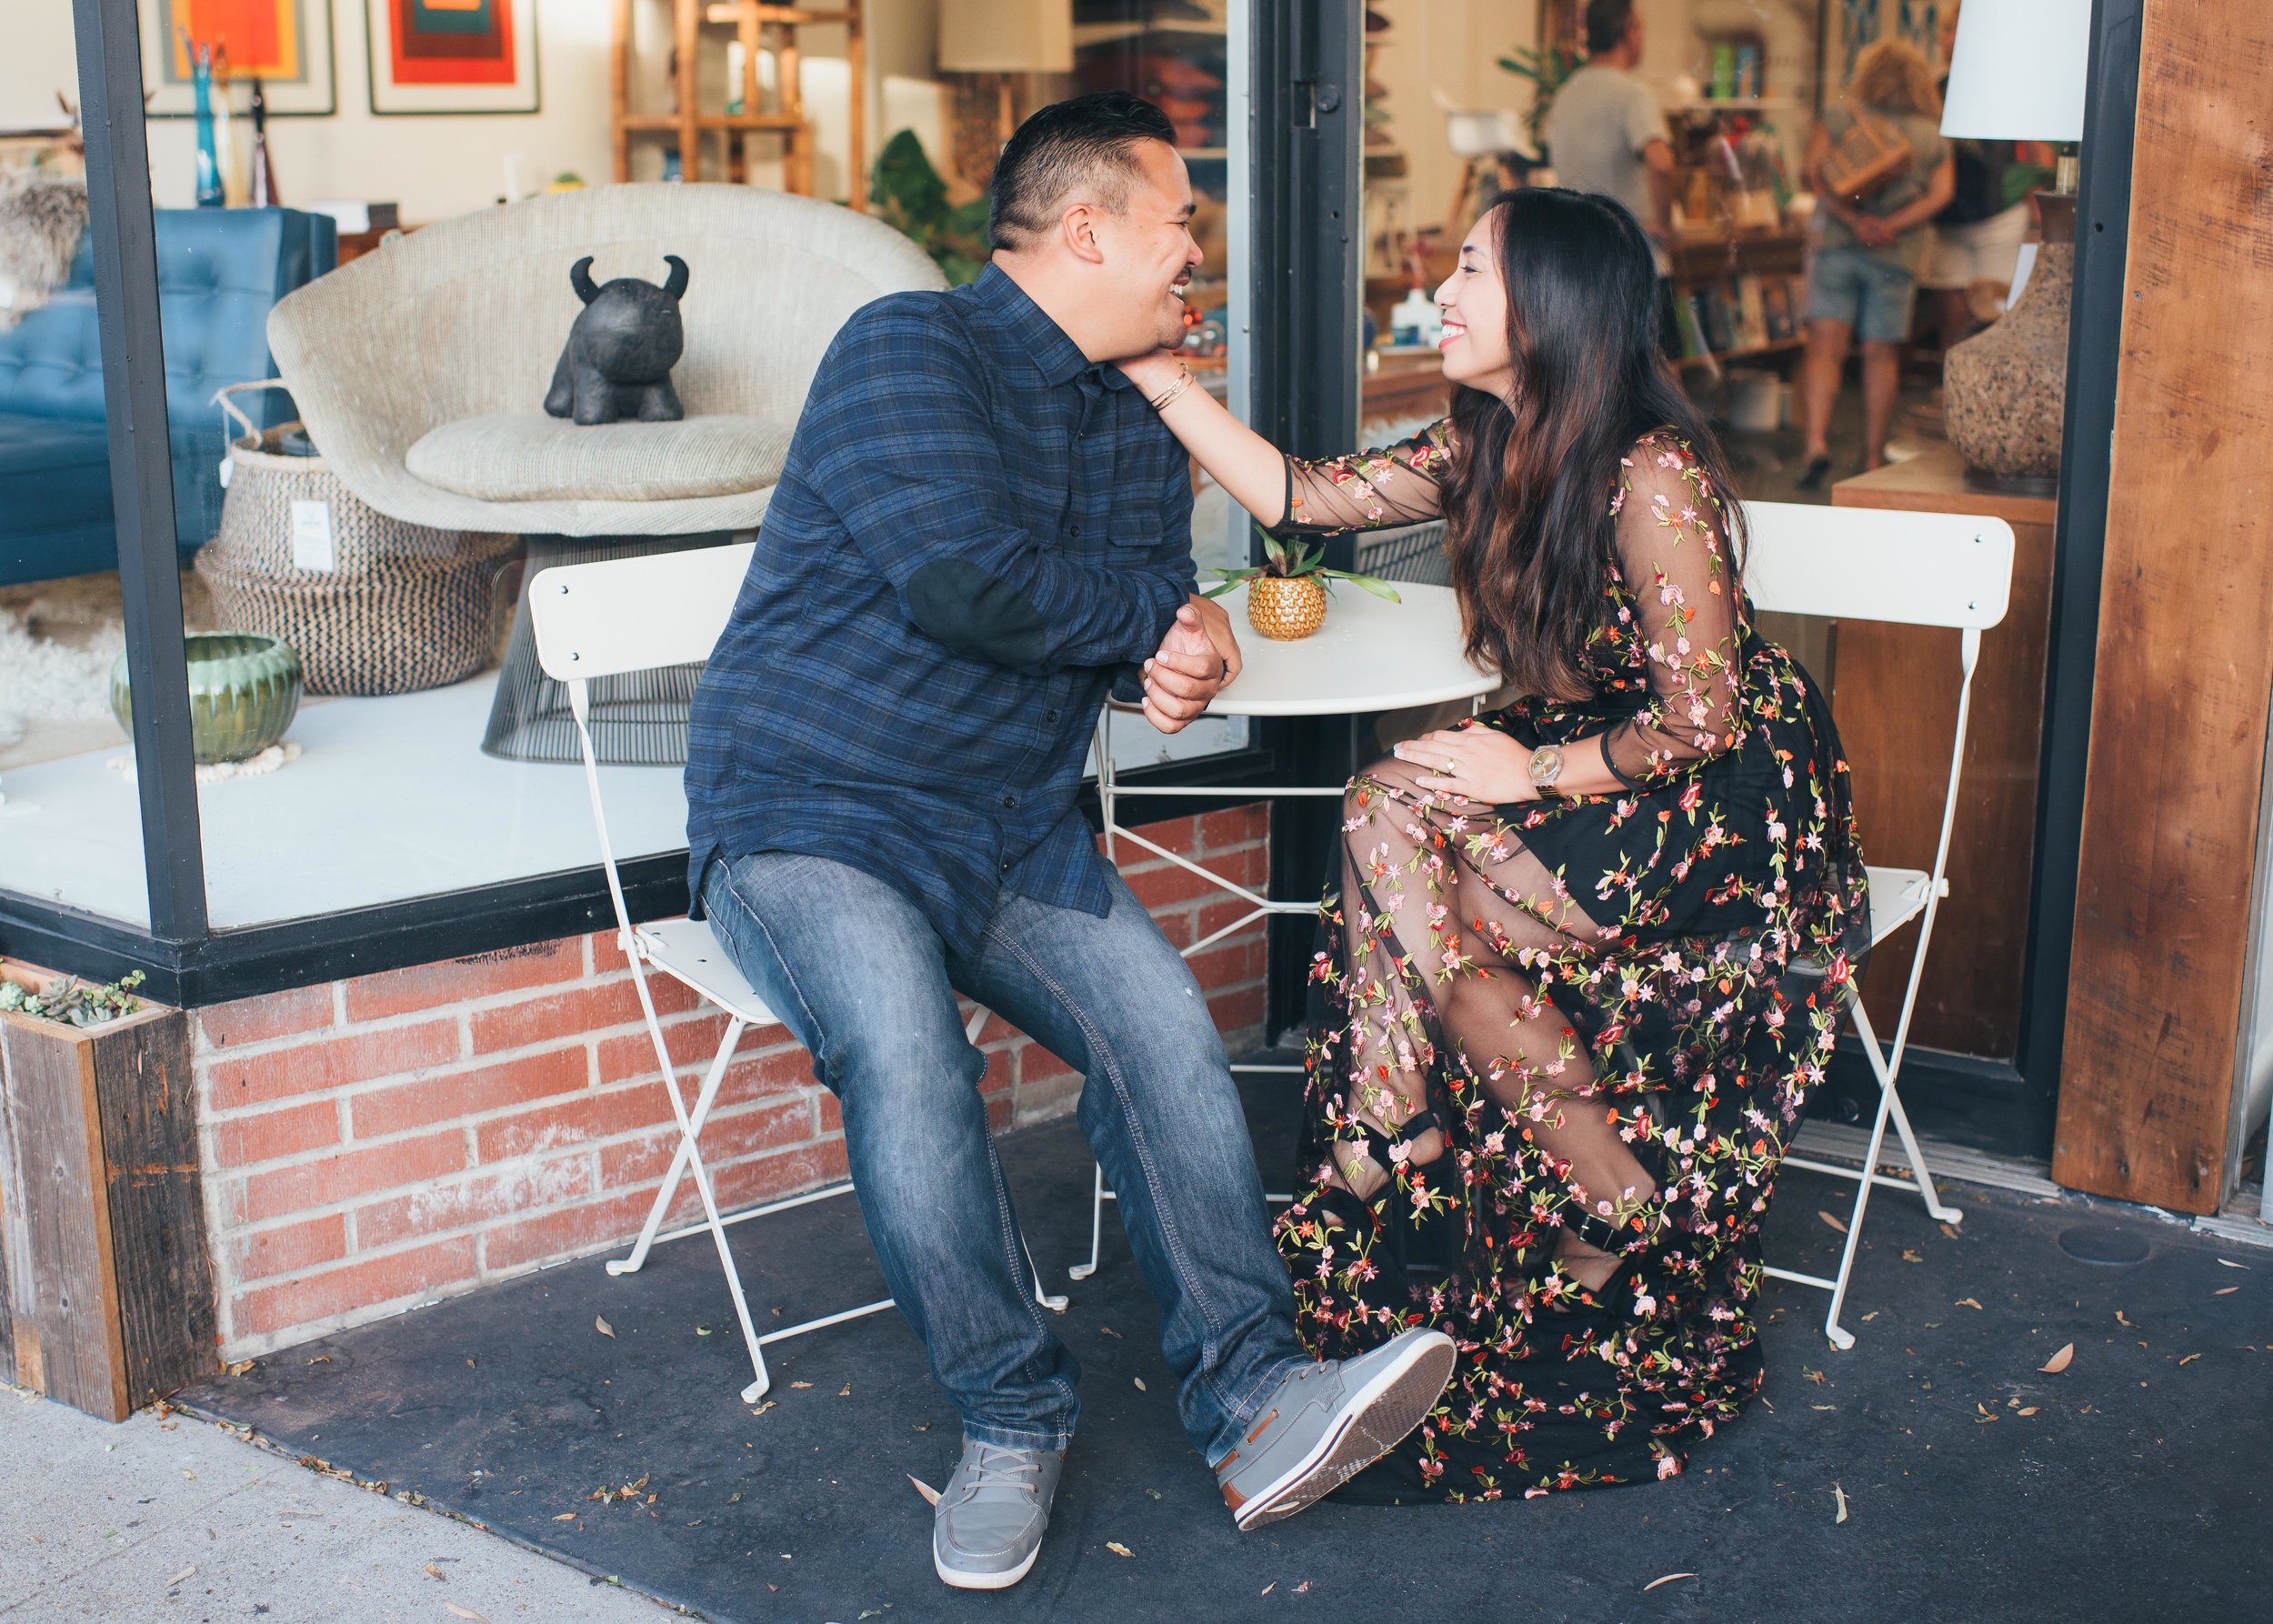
x=1475, y=306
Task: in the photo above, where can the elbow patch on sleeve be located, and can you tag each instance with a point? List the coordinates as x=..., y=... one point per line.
x=974, y=613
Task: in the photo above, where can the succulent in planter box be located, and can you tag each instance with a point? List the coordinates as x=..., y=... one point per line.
x=73, y=1002
x=1286, y=593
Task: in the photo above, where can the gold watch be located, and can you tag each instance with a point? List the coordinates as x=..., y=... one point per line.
x=1547, y=765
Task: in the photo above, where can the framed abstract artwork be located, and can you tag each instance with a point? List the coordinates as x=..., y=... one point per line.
x=286, y=43
x=452, y=55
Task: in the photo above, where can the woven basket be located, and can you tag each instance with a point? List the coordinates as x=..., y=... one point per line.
x=1869, y=156
x=374, y=605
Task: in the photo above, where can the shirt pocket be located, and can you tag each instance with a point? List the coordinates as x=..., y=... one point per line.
x=1135, y=534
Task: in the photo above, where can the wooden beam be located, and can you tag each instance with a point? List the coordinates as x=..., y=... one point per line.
x=2185, y=665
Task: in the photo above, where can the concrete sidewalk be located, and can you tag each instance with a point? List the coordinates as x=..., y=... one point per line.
x=177, y=1519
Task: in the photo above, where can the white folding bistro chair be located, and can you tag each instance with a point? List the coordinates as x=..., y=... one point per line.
x=624, y=615
x=1910, y=569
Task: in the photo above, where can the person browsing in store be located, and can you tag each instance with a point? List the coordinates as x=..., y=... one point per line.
x=1862, y=282
x=982, y=528
x=1606, y=135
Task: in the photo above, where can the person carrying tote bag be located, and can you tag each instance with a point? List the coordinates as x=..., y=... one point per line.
x=1881, y=172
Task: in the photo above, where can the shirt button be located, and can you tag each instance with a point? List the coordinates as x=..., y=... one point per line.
x=1010, y=800
x=1077, y=530
x=1049, y=716
x=1006, y=865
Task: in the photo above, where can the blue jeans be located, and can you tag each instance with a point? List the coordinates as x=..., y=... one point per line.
x=858, y=974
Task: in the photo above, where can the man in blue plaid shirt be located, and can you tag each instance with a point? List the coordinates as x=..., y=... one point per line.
x=982, y=528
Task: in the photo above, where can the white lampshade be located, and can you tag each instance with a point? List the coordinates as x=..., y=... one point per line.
x=2017, y=72
x=1005, y=36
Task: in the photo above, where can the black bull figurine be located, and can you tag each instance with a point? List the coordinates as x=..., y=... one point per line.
x=618, y=362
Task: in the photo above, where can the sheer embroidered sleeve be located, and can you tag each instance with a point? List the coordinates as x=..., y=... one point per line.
x=1673, y=554
x=1369, y=490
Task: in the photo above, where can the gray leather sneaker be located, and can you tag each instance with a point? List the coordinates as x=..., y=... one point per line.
x=988, y=1528
x=1329, y=1421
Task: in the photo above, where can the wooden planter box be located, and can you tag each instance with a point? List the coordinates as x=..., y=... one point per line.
x=105, y=1290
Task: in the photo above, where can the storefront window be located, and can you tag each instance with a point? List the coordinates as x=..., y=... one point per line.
x=422, y=756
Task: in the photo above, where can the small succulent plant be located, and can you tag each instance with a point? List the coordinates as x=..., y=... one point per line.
x=1286, y=592
x=1299, y=560
x=73, y=1002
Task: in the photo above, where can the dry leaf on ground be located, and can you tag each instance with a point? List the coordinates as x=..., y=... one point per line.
x=1910, y=1257
x=1839, y=1495
x=178, y=1577
x=464, y=1612
x=2189, y=1359
x=800, y=1384
x=239, y=1368
x=2225, y=1291
x=931, y=1495
x=1966, y=1302
x=435, y=1572
x=2058, y=1362
x=844, y=1391
x=1117, y=1549
x=1668, y=1580
x=565, y=1517
x=1303, y=1589
x=1950, y=1230
x=2027, y=1410
x=1835, y=1223
x=2229, y=1263
x=603, y=1327
x=1140, y=1383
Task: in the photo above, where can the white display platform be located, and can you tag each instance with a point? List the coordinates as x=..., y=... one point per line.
x=390, y=799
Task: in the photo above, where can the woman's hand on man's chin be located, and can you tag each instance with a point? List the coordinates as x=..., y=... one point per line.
x=1153, y=372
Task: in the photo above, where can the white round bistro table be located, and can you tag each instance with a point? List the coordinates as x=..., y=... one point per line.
x=1370, y=655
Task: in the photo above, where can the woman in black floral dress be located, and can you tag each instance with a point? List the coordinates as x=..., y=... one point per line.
x=1587, y=955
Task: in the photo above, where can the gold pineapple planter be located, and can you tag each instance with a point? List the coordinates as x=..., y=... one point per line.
x=1286, y=607
x=1286, y=592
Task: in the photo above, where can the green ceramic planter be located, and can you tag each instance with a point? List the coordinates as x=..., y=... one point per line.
x=244, y=691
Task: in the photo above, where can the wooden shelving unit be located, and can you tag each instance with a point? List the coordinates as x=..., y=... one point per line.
x=759, y=27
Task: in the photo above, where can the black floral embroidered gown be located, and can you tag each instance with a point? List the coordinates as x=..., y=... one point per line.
x=1606, y=1010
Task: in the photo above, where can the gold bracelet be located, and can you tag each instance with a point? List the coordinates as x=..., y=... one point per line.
x=1167, y=397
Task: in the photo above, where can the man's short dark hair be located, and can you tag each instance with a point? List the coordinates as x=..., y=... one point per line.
x=1088, y=144
x=1607, y=23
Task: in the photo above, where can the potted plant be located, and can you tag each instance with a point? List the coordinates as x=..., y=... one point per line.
x=1286, y=593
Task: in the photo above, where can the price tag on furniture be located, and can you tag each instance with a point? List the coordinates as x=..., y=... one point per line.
x=311, y=536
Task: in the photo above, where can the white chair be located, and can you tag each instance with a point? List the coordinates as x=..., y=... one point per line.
x=624, y=615
x=1910, y=569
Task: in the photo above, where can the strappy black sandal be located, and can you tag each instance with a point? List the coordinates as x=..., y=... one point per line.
x=1421, y=1243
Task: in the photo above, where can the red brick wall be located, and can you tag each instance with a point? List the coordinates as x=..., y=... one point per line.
x=373, y=1144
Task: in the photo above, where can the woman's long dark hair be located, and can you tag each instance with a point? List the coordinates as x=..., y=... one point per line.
x=1528, y=499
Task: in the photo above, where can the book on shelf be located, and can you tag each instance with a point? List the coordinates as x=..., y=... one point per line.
x=1776, y=307
x=1751, y=314
x=1689, y=328
x=1713, y=315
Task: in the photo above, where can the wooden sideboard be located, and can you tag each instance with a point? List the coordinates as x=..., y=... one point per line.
x=1895, y=693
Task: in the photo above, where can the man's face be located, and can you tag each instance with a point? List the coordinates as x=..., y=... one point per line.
x=1148, y=252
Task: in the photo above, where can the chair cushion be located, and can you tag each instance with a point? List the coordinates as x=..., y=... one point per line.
x=528, y=456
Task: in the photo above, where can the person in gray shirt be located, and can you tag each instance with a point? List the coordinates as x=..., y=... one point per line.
x=1605, y=134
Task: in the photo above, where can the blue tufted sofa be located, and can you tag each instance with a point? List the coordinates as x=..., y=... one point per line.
x=219, y=273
